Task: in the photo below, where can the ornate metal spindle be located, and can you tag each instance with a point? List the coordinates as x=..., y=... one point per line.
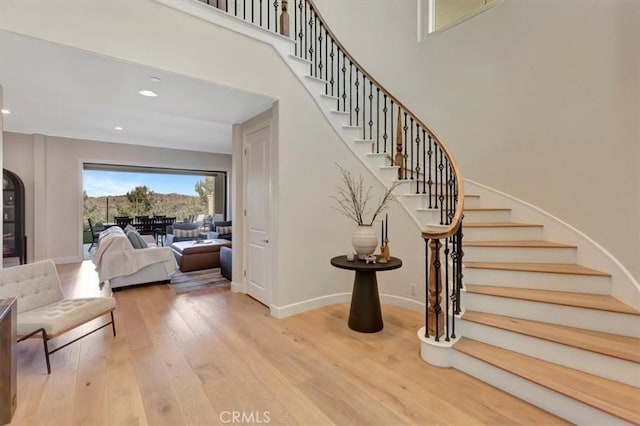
x=364, y=105
x=378, y=120
x=320, y=64
x=260, y=13
x=253, y=8
x=391, y=125
x=311, y=40
x=430, y=182
x=357, y=84
x=326, y=57
x=405, y=128
x=268, y=17
x=426, y=285
x=314, y=46
x=459, y=274
x=344, y=87
x=275, y=15
x=384, y=136
x=446, y=287
x=350, y=91
x=410, y=142
x=442, y=183
x=435, y=287
x=244, y=9
x=306, y=31
x=299, y=32
x=418, y=158
x=435, y=172
x=424, y=162
x=453, y=296
x=398, y=158
x=370, y=109
x=332, y=80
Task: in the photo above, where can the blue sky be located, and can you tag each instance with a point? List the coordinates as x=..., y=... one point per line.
x=98, y=183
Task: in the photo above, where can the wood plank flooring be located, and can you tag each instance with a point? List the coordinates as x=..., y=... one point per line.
x=190, y=359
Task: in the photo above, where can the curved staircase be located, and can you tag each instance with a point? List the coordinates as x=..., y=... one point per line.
x=533, y=322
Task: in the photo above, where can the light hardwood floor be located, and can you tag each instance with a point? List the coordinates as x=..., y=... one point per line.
x=194, y=359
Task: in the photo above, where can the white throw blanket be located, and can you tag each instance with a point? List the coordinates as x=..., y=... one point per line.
x=116, y=257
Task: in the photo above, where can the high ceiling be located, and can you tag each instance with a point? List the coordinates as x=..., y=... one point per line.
x=60, y=91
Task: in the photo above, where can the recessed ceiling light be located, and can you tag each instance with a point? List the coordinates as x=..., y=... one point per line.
x=118, y=128
x=5, y=111
x=148, y=93
x=155, y=79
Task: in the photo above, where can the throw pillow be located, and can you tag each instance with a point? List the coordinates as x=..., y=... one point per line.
x=136, y=240
x=186, y=233
x=223, y=229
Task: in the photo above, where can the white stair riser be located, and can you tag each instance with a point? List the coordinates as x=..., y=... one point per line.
x=520, y=254
x=376, y=160
x=412, y=202
x=487, y=216
x=388, y=175
x=551, y=401
x=299, y=66
x=426, y=216
x=592, y=319
x=362, y=147
x=315, y=86
x=502, y=234
x=579, y=359
x=339, y=119
x=538, y=280
x=351, y=133
x=327, y=103
x=472, y=202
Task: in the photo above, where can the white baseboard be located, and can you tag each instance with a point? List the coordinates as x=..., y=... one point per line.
x=308, y=305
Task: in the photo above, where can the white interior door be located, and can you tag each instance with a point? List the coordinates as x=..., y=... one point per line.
x=257, y=180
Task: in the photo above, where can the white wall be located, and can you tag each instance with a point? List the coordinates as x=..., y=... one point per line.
x=311, y=232
x=55, y=164
x=538, y=99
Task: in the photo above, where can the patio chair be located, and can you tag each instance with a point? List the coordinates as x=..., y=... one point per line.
x=95, y=233
x=42, y=308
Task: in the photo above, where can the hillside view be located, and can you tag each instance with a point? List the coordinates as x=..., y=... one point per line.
x=178, y=205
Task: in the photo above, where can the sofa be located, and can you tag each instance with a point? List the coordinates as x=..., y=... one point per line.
x=220, y=230
x=185, y=231
x=128, y=258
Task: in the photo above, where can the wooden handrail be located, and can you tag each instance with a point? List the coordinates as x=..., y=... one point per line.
x=452, y=228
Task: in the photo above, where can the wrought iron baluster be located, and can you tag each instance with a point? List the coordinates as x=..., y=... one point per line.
x=320, y=65
x=418, y=158
x=405, y=128
x=410, y=142
x=442, y=183
x=357, y=84
x=426, y=283
x=391, y=125
x=384, y=136
x=332, y=81
x=364, y=105
x=446, y=288
x=435, y=172
x=268, y=17
x=430, y=182
x=424, y=162
x=260, y=13
x=378, y=120
x=350, y=91
x=454, y=269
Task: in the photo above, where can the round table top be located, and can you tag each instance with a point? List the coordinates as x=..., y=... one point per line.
x=361, y=265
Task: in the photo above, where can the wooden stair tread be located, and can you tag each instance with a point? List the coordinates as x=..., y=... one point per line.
x=623, y=347
x=501, y=225
x=552, y=268
x=614, y=398
x=518, y=244
x=579, y=300
x=566, y=298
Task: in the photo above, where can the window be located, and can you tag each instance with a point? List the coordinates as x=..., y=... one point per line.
x=440, y=15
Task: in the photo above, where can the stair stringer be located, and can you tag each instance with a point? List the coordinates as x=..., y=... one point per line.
x=624, y=286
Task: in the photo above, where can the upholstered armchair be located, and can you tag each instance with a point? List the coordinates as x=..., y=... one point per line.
x=221, y=230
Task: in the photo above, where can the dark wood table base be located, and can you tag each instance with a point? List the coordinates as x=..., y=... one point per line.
x=365, y=314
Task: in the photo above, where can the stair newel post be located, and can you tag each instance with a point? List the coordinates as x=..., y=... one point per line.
x=434, y=311
x=284, y=18
x=399, y=158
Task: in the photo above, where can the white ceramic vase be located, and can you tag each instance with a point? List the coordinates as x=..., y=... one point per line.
x=364, y=240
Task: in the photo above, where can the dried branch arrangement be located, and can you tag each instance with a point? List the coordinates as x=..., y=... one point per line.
x=353, y=200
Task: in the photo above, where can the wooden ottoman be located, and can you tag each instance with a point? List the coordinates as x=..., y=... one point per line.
x=198, y=254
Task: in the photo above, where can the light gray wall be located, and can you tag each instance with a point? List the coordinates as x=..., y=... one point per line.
x=55, y=164
x=312, y=232
x=538, y=99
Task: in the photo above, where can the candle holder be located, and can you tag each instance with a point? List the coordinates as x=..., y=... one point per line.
x=384, y=248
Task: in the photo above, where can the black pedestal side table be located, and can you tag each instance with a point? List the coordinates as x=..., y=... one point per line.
x=365, y=314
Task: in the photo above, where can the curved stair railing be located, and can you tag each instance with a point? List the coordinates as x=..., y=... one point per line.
x=410, y=149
